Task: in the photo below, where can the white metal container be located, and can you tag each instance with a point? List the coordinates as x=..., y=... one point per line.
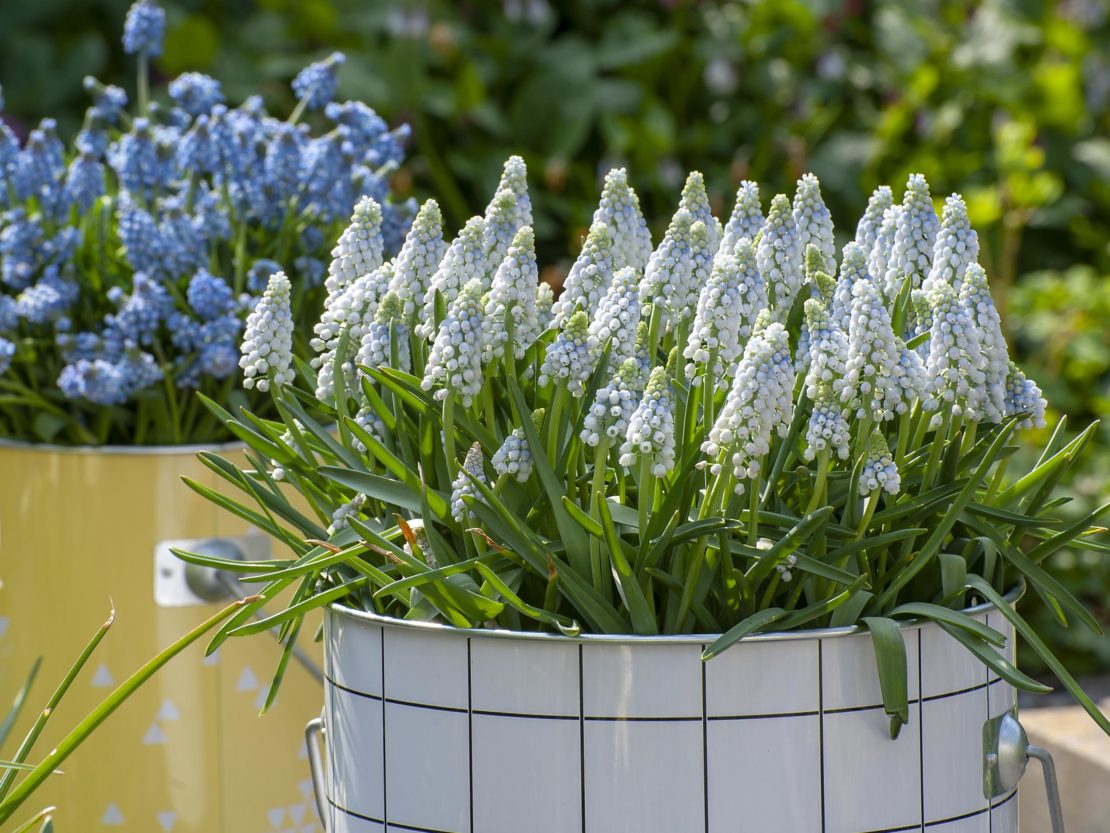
x=440, y=730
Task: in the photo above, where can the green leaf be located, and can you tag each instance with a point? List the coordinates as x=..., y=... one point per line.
x=577, y=543
x=643, y=621
x=798, y=535
x=1043, y=651
x=890, y=659
x=955, y=618
x=67, y=745
x=565, y=626
x=756, y=622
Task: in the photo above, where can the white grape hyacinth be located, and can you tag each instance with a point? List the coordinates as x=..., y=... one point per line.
x=879, y=257
x=914, y=240
x=956, y=247
x=670, y=265
x=545, y=300
x=781, y=257
x=867, y=230
x=568, y=359
x=853, y=269
x=512, y=298
x=957, y=383
x=416, y=263
x=994, y=356
x=508, y=210
x=464, y=261
x=759, y=405
x=352, y=311
x=588, y=278
x=386, y=341
x=462, y=486
x=619, y=210
x=815, y=225
x=617, y=317
x=870, y=388
x=828, y=351
x=695, y=201
x=267, y=348
x=827, y=427
x=340, y=518
x=359, y=249
x=513, y=458
x=1023, y=396
x=746, y=219
x=650, y=436
x=455, y=361
x=879, y=470
x=613, y=405
x=714, y=345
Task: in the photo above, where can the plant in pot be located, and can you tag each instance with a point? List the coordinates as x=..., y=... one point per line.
x=714, y=535
x=129, y=260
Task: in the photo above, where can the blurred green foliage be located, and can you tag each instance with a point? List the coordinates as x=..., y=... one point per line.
x=1006, y=101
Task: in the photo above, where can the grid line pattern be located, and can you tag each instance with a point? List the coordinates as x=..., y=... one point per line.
x=828, y=757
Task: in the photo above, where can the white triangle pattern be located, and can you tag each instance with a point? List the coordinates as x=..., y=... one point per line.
x=154, y=735
x=167, y=819
x=276, y=816
x=247, y=680
x=211, y=659
x=4, y=622
x=113, y=816
x=103, y=677
x=168, y=711
x=296, y=812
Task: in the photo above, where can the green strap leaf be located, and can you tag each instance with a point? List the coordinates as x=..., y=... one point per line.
x=890, y=660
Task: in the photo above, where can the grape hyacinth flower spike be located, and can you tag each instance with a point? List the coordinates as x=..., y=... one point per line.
x=589, y=277
x=512, y=300
x=814, y=222
x=780, y=256
x=650, y=438
x=267, y=351
x=619, y=210
x=746, y=219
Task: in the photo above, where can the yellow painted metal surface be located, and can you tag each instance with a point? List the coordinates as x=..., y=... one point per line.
x=188, y=754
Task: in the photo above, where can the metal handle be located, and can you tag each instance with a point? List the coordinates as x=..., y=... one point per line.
x=315, y=729
x=1006, y=754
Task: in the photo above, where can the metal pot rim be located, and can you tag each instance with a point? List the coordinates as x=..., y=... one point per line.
x=335, y=608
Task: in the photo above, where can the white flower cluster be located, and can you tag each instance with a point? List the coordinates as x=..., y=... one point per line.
x=514, y=457
x=879, y=471
x=568, y=360
x=729, y=294
x=870, y=388
x=386, y=341
x=455, y=360
x=746, y=219
x=695, y=201
x=956, y=247
x=714, y=344
x=267, y=350
x=464, y=261
x=867, y=230
x=781, y=257
x=619, y=210
x=508, y=210
x=914, y=239
x=589, y=277
x=359, y=249
x=650, y=434
x=339, y=518
x=954, y=368
x=463, y=486
x=759, y=404
x=613, y=405
x=511, y=301
x=418, y=260
x=617, y=317
x=814, y=222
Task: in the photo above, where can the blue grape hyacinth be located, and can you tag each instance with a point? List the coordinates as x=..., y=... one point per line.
x=154, y=232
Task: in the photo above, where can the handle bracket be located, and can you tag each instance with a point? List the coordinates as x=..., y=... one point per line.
x=1006, y=754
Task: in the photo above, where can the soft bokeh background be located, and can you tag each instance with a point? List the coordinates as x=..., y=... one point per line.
x=1006, y=101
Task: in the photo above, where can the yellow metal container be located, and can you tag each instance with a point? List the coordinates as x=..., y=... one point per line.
x=188, y=753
